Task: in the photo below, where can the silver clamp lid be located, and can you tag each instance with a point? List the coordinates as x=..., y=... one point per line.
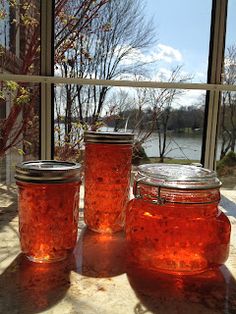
x=48, y=171
x=177, y=176
x=108, y=137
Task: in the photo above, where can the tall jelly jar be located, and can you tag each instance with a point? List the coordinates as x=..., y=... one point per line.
x=173, y=224
x=48, y=208
x=107, y=179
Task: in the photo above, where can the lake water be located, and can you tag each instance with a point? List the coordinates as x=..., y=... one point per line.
x=178, y=146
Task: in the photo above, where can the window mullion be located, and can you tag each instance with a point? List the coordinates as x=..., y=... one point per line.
x=215, y=68
x=47, y=64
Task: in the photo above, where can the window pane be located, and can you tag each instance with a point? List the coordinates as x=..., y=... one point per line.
x=167, y=123
x=226, y=156
x=183, y=30
x=19, y=102
x=139, y=46
x=19, y=124
x=226, y=147
x=20, y=36
x=147, y=43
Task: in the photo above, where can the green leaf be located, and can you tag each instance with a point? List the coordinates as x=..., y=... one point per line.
x=12, y=85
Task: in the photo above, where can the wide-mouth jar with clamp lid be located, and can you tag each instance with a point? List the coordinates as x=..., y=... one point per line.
x=173, y=223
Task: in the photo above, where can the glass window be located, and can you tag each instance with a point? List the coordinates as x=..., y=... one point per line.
x=92, y=41
x=140, y=46
x=147, y=43
x=19, y=124
x=19, y=102
x=5, y=25
x=182, y=31
x=167, y=123
x=20, y=37
x=226, y=146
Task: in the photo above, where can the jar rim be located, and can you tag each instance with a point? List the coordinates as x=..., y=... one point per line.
x=48, y=171
x=108, y=137
x=177, y=176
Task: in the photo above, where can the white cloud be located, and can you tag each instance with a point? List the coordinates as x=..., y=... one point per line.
x=168, y=54
x=159, y=53
x=162, y=74
x=189, y=98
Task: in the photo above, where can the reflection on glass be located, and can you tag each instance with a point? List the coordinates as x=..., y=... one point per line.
x=19, y=102
x=19, y=124
x=20, y=36
x=100, y=255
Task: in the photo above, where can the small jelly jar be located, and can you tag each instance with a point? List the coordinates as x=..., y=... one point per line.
x=48, y=208
x=107, y=179
x=174, y=224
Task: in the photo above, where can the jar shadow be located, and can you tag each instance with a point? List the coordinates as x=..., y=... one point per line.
x=33, y=287
x=213, y=291
x=100, y=255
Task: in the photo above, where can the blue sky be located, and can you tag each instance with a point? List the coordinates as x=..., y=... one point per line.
x=231, y=23
x=183, y=29
x=185, y=26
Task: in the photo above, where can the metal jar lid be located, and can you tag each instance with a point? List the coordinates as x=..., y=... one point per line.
x=177, y=176
x=108, y=137
x=48, y=171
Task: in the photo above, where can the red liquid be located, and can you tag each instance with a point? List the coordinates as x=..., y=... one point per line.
x=48, y=219
x=107, y=180
x=177, y=238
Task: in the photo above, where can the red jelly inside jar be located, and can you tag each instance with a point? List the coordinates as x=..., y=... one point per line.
x=107, y=180
x=174, y=224
x=48, y=209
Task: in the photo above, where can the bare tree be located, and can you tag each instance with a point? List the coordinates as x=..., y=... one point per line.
x=166, y=97
x=21, y=23
x=160, y=103
x=21, y=20
x=104, y=50
x=151, y=113
x=228, y=105
x=117, y=105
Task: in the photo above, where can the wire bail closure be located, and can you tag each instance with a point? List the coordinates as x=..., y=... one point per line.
x=136, y=191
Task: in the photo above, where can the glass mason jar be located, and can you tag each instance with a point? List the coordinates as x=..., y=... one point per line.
x=174, y=224
x=48, y=208
x=107, y=179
